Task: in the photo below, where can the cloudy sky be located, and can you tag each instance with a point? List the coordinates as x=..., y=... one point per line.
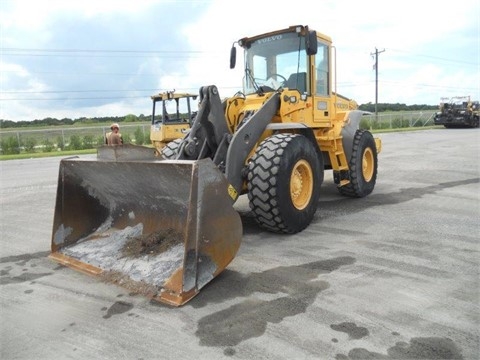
x=86, y=58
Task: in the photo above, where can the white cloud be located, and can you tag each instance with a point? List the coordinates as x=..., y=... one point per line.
x=356, y=28
x=429, y=52
x=35, y=14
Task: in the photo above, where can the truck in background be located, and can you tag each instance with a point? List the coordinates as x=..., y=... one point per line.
x=458, y=111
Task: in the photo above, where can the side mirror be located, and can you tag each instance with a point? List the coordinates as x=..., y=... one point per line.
x=311, y=43
x=233, y=57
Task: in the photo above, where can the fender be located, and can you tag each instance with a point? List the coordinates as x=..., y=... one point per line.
x=349, y=130
x=302, y=129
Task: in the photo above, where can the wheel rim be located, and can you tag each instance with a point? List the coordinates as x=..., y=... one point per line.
x=301, y=184
x=367, y=164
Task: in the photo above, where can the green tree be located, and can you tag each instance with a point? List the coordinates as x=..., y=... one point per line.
x=60, y=143
x=126, y=139
x=139, y=136
x=88, y=142
x=29, y=145
x=47, y=145
x=75, y=143
x=131, y=118
x=10, y=146
x=101, y=140
x=399, y=123
x=365, y=124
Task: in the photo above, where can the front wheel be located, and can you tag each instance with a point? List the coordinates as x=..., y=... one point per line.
x=363, y=166
x=476, y=122
x=170, y=150
x=284, y=178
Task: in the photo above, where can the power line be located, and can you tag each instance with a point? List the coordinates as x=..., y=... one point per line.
x=171, y=56
x=76, y=98
x=420, y=85
x=104, y=51
x=456, y=61
x=151, y=91
x=73, y=91
x=99, y=53
x=76, y=74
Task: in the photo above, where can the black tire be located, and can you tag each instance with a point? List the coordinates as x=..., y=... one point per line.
x=363, y=166
x=284, y=179
x=170, y=150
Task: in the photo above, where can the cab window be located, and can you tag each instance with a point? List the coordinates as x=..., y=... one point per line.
x=323, y=77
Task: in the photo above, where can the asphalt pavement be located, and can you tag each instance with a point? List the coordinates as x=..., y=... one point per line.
x=394, y=275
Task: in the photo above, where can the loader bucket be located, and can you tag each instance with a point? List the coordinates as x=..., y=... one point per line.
x=163, y=229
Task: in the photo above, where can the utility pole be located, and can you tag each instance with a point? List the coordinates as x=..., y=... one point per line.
x=375, y=66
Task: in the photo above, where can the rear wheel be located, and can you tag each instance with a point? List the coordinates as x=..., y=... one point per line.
x=284, y=179
x=363, y=166
x=170, y=150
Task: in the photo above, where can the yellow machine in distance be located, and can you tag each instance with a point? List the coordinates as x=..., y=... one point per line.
x=172, y=116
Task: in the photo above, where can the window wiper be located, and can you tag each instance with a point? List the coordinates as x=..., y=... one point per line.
x=248, y=73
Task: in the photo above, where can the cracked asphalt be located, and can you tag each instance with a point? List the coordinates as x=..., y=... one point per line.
x=394, y=275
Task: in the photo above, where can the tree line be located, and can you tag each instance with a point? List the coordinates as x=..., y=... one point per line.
x=107, y=120
x=384, y=107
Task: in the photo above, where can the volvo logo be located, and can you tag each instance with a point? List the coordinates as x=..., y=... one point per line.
x=269, y=39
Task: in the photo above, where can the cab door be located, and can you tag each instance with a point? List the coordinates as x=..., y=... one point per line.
x=321, y=85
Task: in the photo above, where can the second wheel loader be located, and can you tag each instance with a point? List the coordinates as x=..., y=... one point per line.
x=165, y=228
x=172, y=116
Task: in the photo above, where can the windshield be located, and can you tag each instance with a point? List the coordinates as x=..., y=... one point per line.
x=276, y=61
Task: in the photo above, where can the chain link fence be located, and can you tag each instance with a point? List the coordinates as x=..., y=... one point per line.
x=15, y=141
x=398, y=120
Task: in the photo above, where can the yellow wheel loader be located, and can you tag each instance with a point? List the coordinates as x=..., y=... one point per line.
x=172, y=116
x=166, y=227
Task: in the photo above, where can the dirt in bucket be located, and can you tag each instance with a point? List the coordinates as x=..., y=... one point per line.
x=151, y=244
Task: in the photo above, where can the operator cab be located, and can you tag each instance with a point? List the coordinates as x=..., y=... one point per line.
x=281, y=60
